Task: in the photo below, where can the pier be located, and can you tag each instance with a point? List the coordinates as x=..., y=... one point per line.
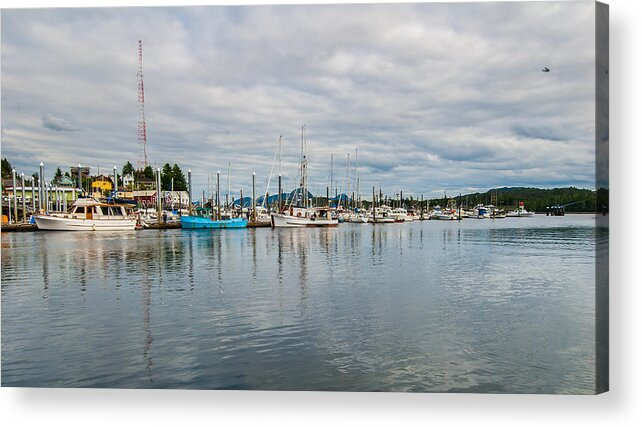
x=19, y=227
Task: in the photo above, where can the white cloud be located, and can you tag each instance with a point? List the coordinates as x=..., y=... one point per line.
x=433, y=95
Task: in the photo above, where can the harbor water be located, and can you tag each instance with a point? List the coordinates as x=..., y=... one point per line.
x=504, y=306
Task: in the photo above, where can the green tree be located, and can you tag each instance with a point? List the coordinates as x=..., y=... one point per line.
x=6, y=168
x=180, y=183
x=166, y=177
x=148, y=172
x=128, y=168
x=58, y=174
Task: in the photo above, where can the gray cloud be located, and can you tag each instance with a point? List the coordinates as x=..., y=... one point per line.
x=54, y=123
x=434, y=96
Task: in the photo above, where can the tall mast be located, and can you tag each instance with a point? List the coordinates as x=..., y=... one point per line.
x=356, y=174
x=331, y=172
x=142, y=124
x=303, y=183
x=280, y=145
x=348, y=186
x=280, y=188
x=229, y=191
x=305, y=167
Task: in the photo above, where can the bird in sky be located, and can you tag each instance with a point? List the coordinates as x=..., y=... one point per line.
x=546, y=70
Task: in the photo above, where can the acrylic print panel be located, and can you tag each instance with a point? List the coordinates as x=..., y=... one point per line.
x=383, y=197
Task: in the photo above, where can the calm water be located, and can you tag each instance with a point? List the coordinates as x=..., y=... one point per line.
x=482, y=305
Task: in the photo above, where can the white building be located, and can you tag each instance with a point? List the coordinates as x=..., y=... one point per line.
x=128, y=181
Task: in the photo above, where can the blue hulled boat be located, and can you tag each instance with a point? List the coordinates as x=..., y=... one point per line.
x=195, y=222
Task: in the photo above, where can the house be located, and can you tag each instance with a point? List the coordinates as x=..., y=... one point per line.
x=128, y=181
x=101, y=185
x=146, y=198
x=145, y=183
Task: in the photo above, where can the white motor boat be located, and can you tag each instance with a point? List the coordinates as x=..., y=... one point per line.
x=401, y=215
x=358, y=218
x=447, y=215
x=382, y=214
x=88, y=214
x=495, y=212
x=480, y=211
x=435, y=213
x=520, y=212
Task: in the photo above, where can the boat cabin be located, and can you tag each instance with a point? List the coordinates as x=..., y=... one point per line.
x=91, y=209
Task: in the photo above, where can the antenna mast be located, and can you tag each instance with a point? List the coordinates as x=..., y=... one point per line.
x=142, y=125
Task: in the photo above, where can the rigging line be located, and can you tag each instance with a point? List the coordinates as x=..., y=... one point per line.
x=269, y=178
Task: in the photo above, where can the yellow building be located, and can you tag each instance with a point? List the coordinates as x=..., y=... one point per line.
x=101, y=186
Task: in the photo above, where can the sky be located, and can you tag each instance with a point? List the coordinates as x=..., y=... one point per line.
x=435, y=97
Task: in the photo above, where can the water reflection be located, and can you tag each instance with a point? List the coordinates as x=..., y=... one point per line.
x=425, y=306
x=147, y=303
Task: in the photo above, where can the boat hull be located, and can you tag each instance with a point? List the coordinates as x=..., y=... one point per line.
x=381, y=220
x=361, y=220
x=191, y=222
x=284, y=220
x=517, y=214
x=48, y=222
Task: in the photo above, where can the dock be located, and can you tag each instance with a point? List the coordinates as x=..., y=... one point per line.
x=252, y=224
x=153, y=226
x=157, y=226
x=19, y=227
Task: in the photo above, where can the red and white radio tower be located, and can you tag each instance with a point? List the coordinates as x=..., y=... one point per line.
x=142, y=125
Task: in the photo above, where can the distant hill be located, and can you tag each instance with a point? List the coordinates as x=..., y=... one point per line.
x=576, y=200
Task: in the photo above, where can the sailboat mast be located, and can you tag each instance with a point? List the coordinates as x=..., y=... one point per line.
x=356, y=177
x=303, y=184
x=331, y=172
x=348, y=186
x=229, y=192
x=280, y=189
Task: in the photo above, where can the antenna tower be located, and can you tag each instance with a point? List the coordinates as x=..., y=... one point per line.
x=142, y=124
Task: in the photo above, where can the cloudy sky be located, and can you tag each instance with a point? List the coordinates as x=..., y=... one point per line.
x=434, y=96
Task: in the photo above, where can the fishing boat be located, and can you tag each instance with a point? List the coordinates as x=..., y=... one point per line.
x=305, y=217
x=88, y=214
x=197, y=222
x=520, y=212
x=299, y=213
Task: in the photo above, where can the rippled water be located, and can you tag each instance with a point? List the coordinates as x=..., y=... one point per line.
x=478, y=306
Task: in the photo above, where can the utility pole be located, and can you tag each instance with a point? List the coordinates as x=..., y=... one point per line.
x=24, y=207
x=253, y=197
x=189, y=190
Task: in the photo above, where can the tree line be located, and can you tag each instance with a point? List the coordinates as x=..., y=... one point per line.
x=534, y=199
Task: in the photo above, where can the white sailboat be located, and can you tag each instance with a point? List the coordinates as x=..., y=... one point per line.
x=302, y=215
